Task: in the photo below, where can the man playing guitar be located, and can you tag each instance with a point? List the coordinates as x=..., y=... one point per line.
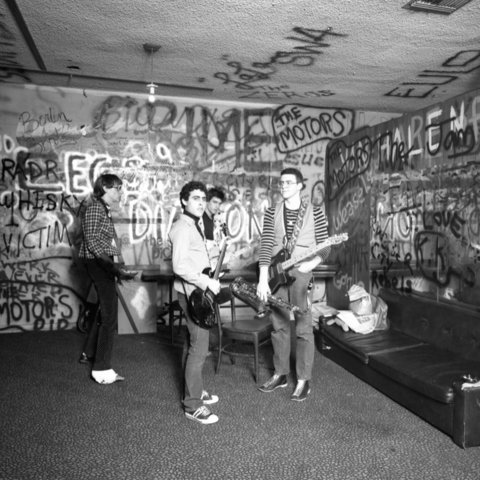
x=296, y=226
x=189, y=260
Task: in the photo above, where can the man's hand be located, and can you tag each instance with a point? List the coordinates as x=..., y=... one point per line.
x=339, y=322
x=263, y=289
x=214, y=286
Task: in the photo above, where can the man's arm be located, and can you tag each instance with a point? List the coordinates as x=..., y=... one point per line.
x=265, y=257
x=95, y=243
x=321, y=232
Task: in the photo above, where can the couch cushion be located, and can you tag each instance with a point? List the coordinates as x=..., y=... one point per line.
x=445, y=325
x=426, y=369
x=362, y=346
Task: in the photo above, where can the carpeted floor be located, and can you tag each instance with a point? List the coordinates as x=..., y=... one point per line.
x=56, y=423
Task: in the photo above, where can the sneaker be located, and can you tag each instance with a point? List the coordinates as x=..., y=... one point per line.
x=277, y=381
x=202, y=415
x=302, y=390
x=209, y=399
x=106, y=377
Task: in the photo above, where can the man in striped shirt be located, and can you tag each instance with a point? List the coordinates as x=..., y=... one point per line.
x=278, y=226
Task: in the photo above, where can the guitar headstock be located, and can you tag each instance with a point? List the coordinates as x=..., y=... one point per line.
x=224, y=229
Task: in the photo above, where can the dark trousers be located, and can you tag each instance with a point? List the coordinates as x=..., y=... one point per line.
x=99, y=342
x=296, y=294
x=195, y=351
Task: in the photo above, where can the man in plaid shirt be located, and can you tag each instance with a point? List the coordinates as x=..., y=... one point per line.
x=98, y=249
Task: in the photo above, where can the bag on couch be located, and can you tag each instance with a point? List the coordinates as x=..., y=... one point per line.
x=381, y=310
x=360, y=301
x=362, y=304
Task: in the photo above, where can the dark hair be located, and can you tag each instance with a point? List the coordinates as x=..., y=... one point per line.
x=108, y=180
x=190, y=187
x=215, y=192
x=293, y=171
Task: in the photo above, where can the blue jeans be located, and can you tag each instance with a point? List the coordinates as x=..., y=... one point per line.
x=297, y=295
x=195, y=351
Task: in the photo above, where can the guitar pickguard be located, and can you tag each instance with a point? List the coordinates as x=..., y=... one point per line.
x=277, y=275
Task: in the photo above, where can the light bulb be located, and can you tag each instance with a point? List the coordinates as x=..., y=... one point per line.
x=151, y=97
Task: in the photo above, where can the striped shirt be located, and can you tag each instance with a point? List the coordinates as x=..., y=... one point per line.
x=268, y=233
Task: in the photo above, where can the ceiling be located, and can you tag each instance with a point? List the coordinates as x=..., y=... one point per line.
x=357, y=54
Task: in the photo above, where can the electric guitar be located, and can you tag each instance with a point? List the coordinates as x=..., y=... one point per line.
x=216, y=260
x=277, y=272
x=203, y=301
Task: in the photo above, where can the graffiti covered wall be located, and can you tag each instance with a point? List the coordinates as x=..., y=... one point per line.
x=413, y=184
x=55, y=142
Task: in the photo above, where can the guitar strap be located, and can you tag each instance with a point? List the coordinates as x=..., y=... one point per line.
x=184, y=289
x=291, y=242
x=117, y=243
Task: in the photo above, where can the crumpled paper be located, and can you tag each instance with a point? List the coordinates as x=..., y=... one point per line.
x=471, y=382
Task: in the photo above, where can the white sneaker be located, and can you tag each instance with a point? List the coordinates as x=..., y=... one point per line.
x=209, y=399
x=202, y=415
x=106, y=377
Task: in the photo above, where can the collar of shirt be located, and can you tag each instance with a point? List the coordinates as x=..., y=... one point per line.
x=190, y=215
x=106, y=206
x=192, y=219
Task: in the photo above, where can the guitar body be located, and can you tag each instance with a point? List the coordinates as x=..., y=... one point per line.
x=277, y=275
x=202, y=302
x=203, y=308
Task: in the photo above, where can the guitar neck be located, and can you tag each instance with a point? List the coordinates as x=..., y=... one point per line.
x=218, y=268
x=302, y=256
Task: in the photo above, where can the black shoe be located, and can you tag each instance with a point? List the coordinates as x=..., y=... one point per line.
x=301, y=392
x=277, y=381
x=84, y=359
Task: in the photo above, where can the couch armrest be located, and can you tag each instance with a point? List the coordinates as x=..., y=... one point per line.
x=466, y=416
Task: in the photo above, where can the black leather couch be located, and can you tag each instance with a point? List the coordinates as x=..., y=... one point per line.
x=421, y=361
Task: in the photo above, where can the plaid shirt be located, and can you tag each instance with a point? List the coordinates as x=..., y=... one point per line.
x=98, y=232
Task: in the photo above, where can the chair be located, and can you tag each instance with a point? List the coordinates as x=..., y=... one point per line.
x=175, y=312
x=257, y=332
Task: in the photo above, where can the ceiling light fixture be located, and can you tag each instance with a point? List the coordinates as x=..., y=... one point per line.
x=436, y=6
x=151, y=48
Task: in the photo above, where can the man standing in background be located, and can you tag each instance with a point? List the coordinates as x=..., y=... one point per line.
x=215, y=198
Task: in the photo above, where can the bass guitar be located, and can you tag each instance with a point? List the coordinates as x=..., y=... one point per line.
x=277, y=272
x=203, y=301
